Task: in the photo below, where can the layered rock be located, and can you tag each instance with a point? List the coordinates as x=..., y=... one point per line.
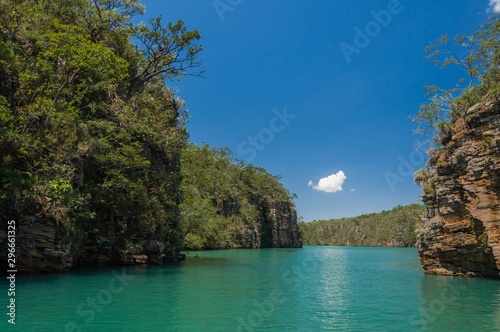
x=39, y=247
x=277, y=228
x=460, y=235
x=44, y=247
x=285, y=233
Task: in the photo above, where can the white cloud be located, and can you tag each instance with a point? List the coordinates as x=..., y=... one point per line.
x=352, y=190
x=310, y=184
x=330, y=184
x=495, y=6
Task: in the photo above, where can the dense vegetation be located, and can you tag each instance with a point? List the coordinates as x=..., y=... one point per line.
x=90, y=135
x=92, y=139
x=225, y=202
x=387, y=228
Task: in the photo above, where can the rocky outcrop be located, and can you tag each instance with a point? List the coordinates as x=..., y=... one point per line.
x=284, y=233
x=277, y=228
x=44, y=247
x=39, y=248
x=460, y=235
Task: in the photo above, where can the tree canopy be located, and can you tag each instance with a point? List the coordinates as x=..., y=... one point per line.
x=387, y=228
x=90, y=135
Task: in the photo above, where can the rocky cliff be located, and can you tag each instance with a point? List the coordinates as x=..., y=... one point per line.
x=277, y=228
x=42, y=246
x=90, y=145
x=460, y=235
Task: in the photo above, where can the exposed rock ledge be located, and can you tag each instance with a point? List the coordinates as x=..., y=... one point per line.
x=41, y=248
x=461, y=234
x=277, y=228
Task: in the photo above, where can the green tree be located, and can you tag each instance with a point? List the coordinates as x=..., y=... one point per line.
x=478, y=55
x=90, y=135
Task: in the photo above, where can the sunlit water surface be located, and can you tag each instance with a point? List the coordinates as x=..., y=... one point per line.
x=309, y=289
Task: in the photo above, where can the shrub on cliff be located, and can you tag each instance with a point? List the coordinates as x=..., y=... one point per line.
x=90, y=135
x=478, y=55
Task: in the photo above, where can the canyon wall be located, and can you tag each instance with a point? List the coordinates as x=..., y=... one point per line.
x=42, y=246
x=277, y=228
x=460, y=235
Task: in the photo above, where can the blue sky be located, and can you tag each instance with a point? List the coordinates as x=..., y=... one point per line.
x=286, y=90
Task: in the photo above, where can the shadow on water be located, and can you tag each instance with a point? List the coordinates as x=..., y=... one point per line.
x=97, y=299
x=457, y=304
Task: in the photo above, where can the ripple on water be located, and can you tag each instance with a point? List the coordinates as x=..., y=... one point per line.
x=309, y=289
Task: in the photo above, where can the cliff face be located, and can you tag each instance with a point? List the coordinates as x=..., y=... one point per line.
x=40, y=249
x=285, y=232
x=246, y=209
x=90, y=145
x=44, y=247
x=277, y=228
x=461, y=233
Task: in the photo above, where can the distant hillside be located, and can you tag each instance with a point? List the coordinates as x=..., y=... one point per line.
x=394, y=228
x=228, y=204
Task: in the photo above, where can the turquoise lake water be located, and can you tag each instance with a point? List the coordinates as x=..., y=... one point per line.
x=309, y=289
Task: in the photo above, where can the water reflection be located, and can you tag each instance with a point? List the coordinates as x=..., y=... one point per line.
x=458, y=304
x=331, y=286
x=310, y=289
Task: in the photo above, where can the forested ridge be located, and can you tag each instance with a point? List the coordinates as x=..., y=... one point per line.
x=229, y=204
x=394, y=228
